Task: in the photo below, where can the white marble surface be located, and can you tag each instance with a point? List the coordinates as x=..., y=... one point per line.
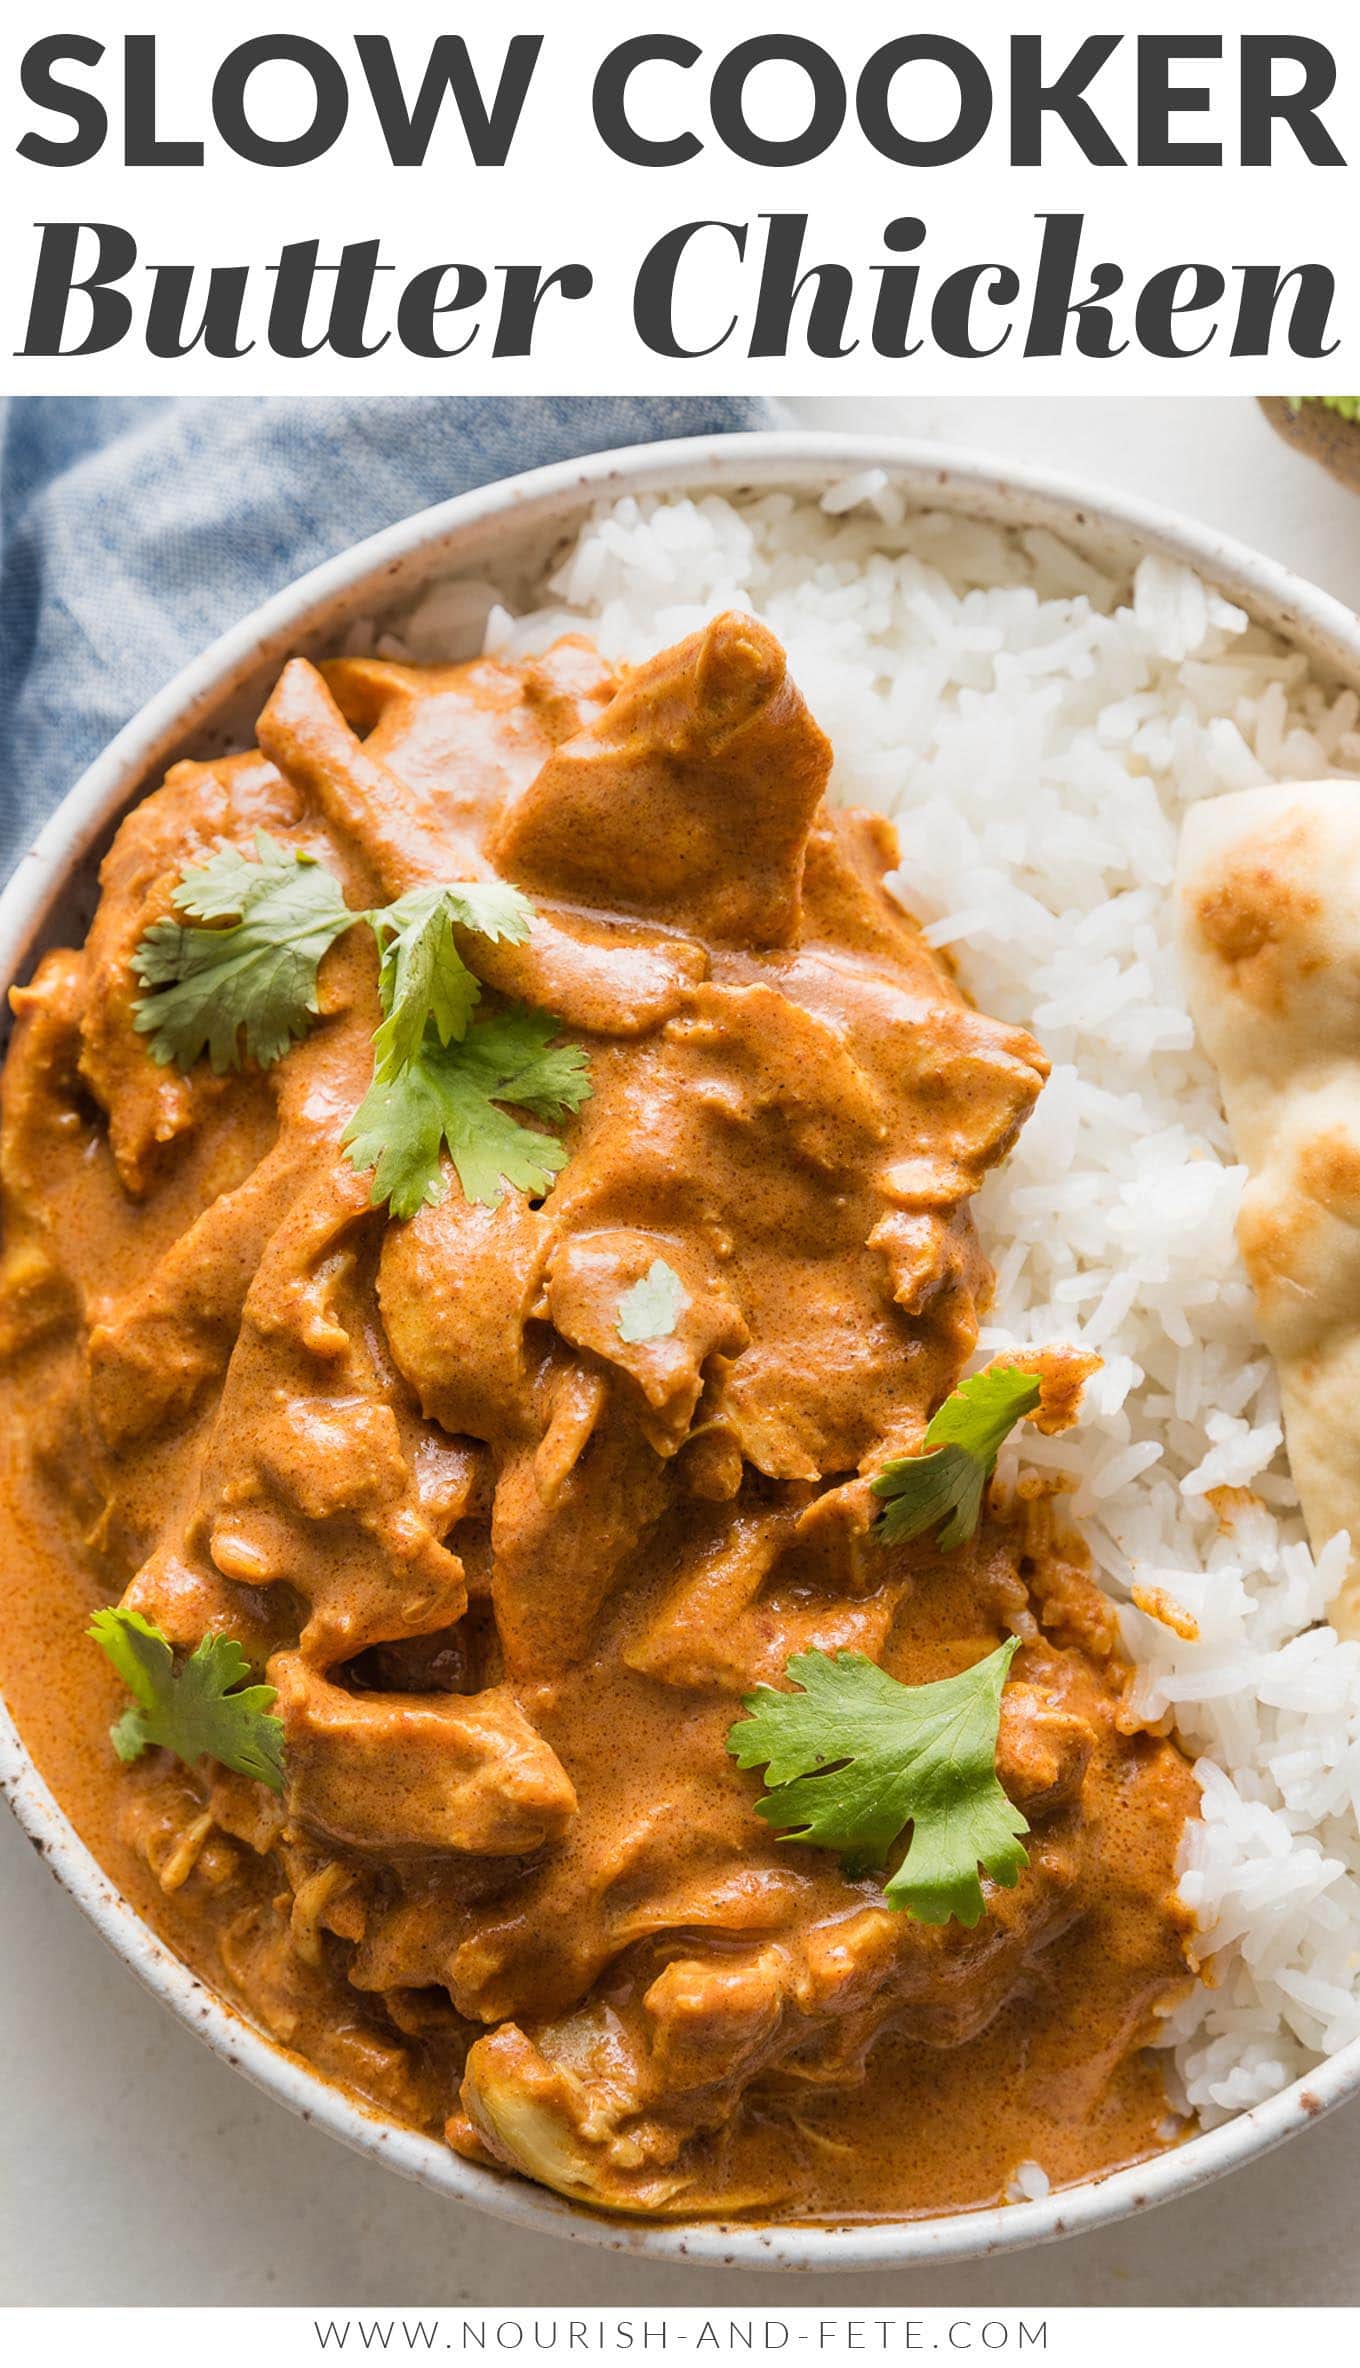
x=136, y=2168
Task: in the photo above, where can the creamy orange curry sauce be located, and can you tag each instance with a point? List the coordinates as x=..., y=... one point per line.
x=511, y=1573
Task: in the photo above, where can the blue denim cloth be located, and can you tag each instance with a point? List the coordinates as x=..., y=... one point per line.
x=132, y=532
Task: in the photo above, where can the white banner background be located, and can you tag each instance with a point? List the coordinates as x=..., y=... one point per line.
x=562, y=197
x=299, y=2338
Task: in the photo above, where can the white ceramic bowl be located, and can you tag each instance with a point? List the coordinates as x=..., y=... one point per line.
x=498, y=533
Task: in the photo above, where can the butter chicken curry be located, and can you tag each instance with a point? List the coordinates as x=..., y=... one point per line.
x=488, y=1257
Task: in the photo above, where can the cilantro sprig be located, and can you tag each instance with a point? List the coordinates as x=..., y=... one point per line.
x=234, y=973
x=943, y=1486
x=423, y=979
x=248, y=979
x=853, y=1758
x=201, y=1709
x=451, y=1094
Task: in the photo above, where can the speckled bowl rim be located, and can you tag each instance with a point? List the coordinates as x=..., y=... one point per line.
x=196, y=711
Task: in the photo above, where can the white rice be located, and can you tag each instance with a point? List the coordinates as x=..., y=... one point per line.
x=1036, y=730
x=1029, y=2182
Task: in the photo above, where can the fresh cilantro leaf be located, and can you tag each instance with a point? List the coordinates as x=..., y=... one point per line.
x=423, y=979
x=450, y=1094
x=202, y=1710
x=221, y=889
x=654, y=1306
x=854, y=1758
x=246, y=982
x=945, y=1483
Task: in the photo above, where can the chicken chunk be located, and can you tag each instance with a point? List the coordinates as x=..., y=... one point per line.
x=416, y=1771
x=588, y=1277
x=613, y=2104
x=149, y=1108
x=457, y=1287
x=1042, y=1752
x=689, y=799
x=610, y=978
x=38, y=1121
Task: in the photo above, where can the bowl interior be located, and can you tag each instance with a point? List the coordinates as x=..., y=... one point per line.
x=509, y=535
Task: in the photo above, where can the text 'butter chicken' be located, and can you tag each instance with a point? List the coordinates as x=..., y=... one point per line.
x=488, y=1281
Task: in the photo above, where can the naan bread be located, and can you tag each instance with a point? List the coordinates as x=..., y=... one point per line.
x=1269, y=907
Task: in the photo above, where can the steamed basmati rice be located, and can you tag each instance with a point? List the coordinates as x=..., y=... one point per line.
x=1036, y=729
